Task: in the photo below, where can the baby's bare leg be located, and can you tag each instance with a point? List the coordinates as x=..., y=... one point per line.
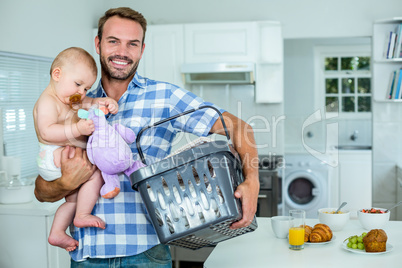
x=87, y=197
x=62, y=219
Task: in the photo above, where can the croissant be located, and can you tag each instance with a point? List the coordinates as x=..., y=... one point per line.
x=307, y=232
x=320, y=233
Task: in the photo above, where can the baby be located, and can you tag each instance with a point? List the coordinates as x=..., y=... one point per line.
x=73, y=72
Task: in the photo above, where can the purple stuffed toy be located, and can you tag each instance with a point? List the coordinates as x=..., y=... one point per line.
x=108, y=149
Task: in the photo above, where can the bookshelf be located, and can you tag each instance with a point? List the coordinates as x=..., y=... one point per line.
x=384, y=64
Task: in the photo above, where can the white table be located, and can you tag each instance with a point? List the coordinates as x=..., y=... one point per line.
x=262, y=249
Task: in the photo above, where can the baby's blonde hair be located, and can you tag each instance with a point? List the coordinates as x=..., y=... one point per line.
x=74, y=55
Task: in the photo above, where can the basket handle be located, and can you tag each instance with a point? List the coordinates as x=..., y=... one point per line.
x=137, y=141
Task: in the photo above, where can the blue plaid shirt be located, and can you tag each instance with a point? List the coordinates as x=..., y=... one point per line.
x=128, y=228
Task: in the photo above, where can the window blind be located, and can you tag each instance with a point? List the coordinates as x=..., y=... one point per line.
x=22, y=80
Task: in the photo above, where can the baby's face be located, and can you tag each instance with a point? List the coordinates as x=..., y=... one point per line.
x=74, y=82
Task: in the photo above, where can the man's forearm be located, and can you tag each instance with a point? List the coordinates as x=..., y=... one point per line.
x=242, y=136
x=49, y=191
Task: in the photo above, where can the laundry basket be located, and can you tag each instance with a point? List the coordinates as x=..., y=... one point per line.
x=190, y=195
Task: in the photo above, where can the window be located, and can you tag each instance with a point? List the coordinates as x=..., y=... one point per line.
x=345, y=75
x=22, y=80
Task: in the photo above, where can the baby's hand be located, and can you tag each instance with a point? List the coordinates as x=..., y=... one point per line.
x=110, y=104
x=86, y=127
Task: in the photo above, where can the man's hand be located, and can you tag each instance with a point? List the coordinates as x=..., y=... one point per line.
x=248, y=194
x=75, y=168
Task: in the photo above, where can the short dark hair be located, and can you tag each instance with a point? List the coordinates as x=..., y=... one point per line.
x=125, y=13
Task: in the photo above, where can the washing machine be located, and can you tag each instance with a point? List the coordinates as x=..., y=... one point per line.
x=306, y=184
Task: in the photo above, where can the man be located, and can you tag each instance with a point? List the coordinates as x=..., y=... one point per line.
x=142, y=101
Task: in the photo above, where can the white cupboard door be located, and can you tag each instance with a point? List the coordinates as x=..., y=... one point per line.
x=355, y=178
x=220, y=42
x=164, y=53
x=269, y=83
x=271, y=42
x=269, y=73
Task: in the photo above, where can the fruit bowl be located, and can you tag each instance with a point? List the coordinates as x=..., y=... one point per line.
x=335, y=221
x=373, y=220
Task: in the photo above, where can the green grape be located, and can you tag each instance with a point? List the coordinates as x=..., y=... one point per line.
x=355, y=242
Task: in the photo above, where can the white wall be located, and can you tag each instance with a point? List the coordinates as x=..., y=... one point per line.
x=299, y=99
x=300, y=19
x=45, y=27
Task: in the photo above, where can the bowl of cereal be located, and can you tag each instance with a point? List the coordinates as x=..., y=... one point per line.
x=335, y=221
x=373, y=218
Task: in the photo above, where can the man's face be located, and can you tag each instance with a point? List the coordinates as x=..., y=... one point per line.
x=121, y=48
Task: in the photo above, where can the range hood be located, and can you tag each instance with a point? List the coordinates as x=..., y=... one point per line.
x=218, y=73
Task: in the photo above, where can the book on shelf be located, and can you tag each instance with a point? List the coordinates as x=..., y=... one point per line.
x=391, y=45
x=398, y=42
x=388, y=46
x=398, y=87
x=394, y=44
x=391, y=91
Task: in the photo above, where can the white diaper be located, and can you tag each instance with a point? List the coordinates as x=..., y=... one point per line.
x=45, y=160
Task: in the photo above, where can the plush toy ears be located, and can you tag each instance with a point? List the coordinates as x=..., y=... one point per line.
x=84, y=114
x=99, y=112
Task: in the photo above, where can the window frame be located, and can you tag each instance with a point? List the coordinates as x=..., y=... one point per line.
x=322, y=52
x=22, y=79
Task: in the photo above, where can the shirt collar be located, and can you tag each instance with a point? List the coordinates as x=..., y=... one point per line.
x=137, y=81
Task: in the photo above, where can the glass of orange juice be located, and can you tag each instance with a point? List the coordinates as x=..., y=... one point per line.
x=296, y=232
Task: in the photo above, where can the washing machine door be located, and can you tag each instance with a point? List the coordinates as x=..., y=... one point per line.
x=303, y=190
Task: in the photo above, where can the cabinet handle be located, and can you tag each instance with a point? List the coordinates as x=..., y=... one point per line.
x=262, y=196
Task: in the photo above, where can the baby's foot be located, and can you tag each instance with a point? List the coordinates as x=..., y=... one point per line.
x=63, y=240
x=88, y=221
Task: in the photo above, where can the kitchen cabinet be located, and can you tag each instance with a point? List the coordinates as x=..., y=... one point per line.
x=383, y=67
x=220, y=42
x=24, y=232
x=180, y=255
x=355, y=178
x=258, y=42
x=167, y=47
x=164, y=53
x=269, y=73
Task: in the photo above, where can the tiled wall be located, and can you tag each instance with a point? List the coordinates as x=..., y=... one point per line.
x=387, y=152
x=319, y=135
x=267, y=120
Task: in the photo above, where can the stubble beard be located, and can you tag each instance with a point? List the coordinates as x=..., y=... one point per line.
x=111, y=72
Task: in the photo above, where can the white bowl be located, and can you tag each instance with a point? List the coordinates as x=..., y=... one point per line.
x=371, y=221
x=334, y=221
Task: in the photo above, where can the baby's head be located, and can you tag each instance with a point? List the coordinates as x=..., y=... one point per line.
x=74, y=55
x=73, y=72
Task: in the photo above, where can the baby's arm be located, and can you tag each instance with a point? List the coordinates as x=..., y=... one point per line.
x=109, y=103
x=52, y=130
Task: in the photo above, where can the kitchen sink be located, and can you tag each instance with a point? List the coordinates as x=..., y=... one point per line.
x=353, y=147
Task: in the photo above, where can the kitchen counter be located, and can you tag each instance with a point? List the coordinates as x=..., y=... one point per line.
x=262, y=249
x=33, y=208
